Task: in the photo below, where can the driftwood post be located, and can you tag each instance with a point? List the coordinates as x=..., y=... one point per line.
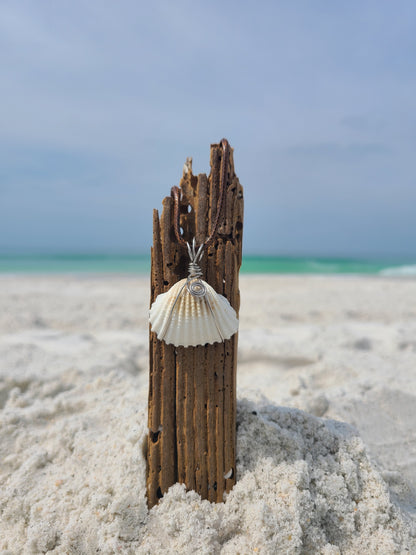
x=192, y=390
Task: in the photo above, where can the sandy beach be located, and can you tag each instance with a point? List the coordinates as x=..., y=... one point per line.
x=326, y=421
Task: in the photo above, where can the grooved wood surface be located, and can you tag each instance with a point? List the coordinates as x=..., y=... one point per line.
x=192, y=390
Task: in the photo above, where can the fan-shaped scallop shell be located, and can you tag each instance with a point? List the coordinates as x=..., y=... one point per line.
x=182, y=318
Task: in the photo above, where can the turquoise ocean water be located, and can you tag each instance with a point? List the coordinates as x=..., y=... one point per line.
x=140, y=264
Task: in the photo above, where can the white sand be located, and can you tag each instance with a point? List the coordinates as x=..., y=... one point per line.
x=73, y=390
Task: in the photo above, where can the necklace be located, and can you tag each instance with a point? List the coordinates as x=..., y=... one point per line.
x=191, y=312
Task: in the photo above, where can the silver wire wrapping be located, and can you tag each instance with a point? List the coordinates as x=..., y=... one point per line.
x=191, y=312
x=194, y=284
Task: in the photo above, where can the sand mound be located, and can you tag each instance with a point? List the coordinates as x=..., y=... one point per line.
x=73, y=480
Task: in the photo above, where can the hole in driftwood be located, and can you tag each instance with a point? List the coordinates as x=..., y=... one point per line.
x=159, y=493
x=154, y=436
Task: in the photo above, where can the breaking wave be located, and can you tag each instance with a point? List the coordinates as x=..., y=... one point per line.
x=399, y=271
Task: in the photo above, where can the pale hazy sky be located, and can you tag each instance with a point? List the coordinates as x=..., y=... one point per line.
x=101, y=102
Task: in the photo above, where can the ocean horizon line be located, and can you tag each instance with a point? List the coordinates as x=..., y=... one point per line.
x=139, y=263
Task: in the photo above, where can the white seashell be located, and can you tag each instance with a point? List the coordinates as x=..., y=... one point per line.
x=186, y=319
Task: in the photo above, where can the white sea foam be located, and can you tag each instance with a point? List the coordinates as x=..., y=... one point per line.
x=408, y=270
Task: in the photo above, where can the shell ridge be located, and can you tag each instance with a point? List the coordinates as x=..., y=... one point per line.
x=228, y=315
x=204, y=328
x=206, y=323
x=207, y=330
x=180, y=318
x=214, y=319
x=167, y=322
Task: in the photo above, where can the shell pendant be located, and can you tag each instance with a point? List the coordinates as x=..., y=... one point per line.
x=192, y=313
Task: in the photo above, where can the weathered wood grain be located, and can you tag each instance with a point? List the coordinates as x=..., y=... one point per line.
x=192, y=391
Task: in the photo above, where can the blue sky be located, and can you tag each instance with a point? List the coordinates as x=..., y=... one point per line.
x=101, y=102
